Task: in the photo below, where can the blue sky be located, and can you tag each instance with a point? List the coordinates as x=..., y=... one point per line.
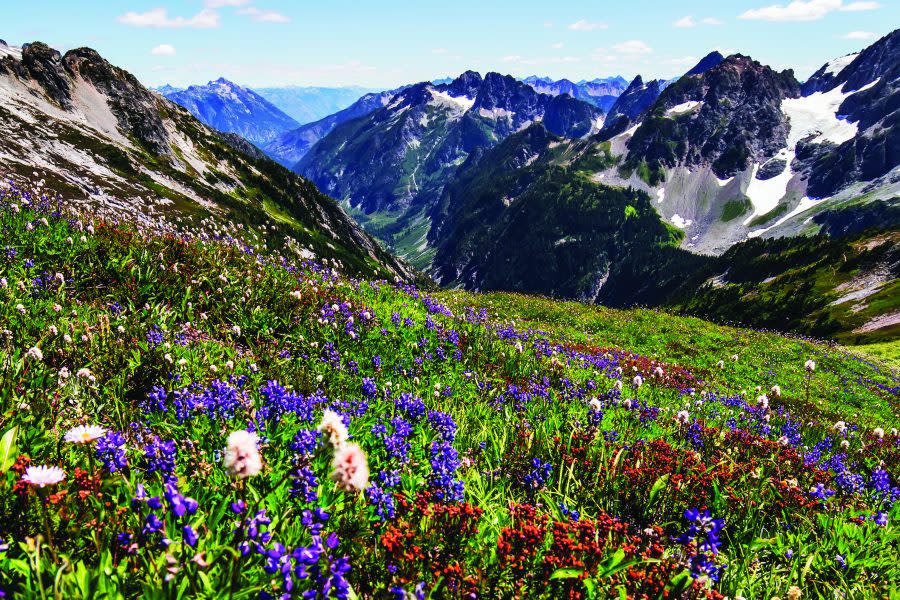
x=389, y=42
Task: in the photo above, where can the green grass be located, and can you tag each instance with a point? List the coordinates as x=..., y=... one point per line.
x=888, y=352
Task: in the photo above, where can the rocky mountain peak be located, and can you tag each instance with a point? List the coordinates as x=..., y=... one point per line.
x=706, y=63
x=466, y=84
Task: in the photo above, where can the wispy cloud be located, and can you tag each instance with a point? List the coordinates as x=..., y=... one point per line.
x=439, y=51
x=809, y=10
x=584, y=25
x=557, y=45
x=859, y=35
x=689, y=21
x=539, y=61
x=159, y=18
x=163, y=50
x=632, y=48
x=263, y=16
x=680, y=61
x=222, y=3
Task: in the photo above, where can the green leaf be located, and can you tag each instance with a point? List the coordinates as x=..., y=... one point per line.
x=658, y=486
x=8, y=450
x=566, y=573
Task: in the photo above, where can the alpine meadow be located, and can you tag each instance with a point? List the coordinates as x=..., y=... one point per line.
x=552, y=305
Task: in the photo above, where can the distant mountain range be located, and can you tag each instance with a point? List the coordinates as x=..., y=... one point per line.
x=310, y=104
x=231, y=108
x=602, y=93
x=494, y=195
x=290, y=146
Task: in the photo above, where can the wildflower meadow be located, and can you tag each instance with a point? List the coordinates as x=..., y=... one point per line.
x=184, y=413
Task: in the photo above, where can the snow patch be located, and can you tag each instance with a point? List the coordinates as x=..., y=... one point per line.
x=816, y=115
x=764, y=195
x=462, y=103
x=13, y=51
x=660, y=194
x=684, y=107
x=835, y=66
x=495, y=113
x=679, y=222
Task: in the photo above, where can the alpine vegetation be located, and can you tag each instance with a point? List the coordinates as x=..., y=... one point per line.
x=185, y=415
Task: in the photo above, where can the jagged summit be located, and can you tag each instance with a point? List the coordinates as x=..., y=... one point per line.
x=706, y=63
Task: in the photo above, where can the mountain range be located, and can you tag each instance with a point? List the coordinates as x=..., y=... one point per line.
x=602, y=93
x=734, y=190
x=390, y=166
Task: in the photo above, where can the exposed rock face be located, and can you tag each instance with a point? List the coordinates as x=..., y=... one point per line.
x=636, y=99
x=135, y=106
x=706, y=63
x=44, y=65
x=112, y=148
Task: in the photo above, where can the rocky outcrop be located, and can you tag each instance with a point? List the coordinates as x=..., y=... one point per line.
x=728, y=117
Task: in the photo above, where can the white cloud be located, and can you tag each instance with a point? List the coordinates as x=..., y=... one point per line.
x=682, y=61
x=557, y=45
x=222, y=3
x=632, y=48
x=712, y=21
x=159, y=17
x=263, y=16
x=683, y=22
x=163, y=50
x=439, y=51
x=857, y=6
x=860, y=35
x=584, y=25
x=808, y=10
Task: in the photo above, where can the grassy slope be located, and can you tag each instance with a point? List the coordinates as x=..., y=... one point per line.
x=625, y=470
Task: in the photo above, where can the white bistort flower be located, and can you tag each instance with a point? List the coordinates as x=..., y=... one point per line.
x=242, y=457
x=810, y=365
x=34, y=353
x=333, y=428
x=350, y=468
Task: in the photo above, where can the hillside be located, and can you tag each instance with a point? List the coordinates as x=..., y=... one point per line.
x=498, y=445
x=77, y=125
